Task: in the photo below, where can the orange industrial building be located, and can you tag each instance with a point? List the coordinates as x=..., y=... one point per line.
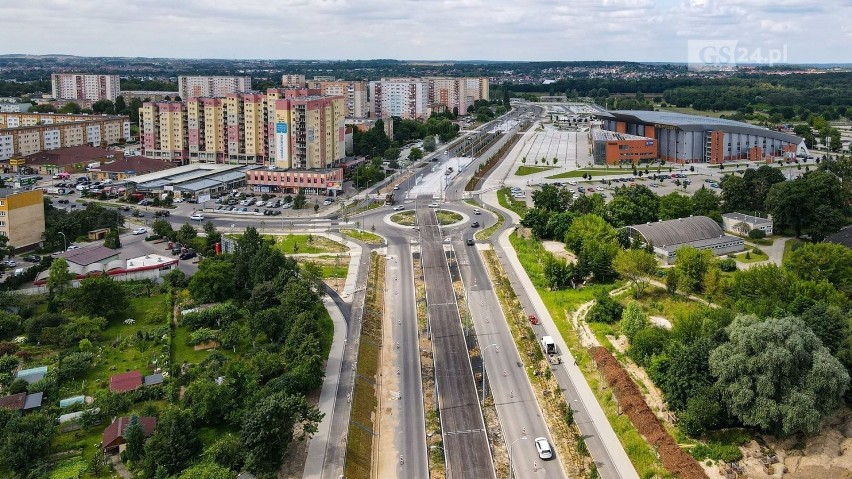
x=615, y=148
x=681, y=138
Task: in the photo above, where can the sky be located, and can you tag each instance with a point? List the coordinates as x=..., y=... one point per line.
x=798, y=31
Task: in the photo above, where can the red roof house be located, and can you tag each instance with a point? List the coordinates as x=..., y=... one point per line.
x=114, y=433
x=129, y=381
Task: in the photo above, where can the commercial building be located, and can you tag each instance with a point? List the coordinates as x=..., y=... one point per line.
x=127, y=167
x=28, y=133
x=286, y=128
x=312, y=182
x=80, y=86
x=741, y=223
x=213, y=86
x=73, y=159
x=144, y=95
x=355, y=94
x=611, y=148
x=196, y=179
x=22, y=217
x=701, y=232
x=690, y=138
x=292, y=80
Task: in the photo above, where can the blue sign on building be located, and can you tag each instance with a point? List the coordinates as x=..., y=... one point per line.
x=280, y=128
x=649, y=143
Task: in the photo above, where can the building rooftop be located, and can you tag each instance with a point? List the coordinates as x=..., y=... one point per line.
x=682, y=230
x=129, y=381
x=606, y=135
x=747, y=218
x=32, y=375
x=153, y=380
x=843, y=237
x=14, y=402
x=33, y=401
x=88, y=255
x=135, y=165
x=72, y=155
x=114, y=433
x=149, y=260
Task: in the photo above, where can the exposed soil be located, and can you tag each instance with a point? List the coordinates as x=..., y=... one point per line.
x=558, y=249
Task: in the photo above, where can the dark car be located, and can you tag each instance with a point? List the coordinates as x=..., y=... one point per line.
x=475, y=224
x=469, y=241
x=189, y=254
x=34, y=258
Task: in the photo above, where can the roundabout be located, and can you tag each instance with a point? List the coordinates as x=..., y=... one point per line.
x=407, y=219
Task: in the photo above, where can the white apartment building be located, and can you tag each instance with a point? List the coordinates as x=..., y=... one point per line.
x=293, y=80
x=80, y=86
x=406, y=98
x=212, y=86
x=354, y=92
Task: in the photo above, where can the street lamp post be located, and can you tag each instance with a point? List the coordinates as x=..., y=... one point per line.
x=511, y=472
x=64, y=242
x=483, y=371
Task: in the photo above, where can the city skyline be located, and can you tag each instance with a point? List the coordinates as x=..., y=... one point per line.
x=535, y=30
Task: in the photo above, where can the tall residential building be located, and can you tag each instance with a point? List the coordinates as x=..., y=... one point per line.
x=212, y=86
x=406, y=98
x=456, y=94
x=355, y=93
x=293, y=80
x=79, y=86
x=287, y=128
x=22, y=217
x=27, y=133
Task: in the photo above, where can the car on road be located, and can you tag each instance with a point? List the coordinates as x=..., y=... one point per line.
x=196, y=217
x=714, y=185
x=73, y=246
x=572, y=183
x=599, y=188
x=140, y=231
x=433, y=205
x=10, y=263
x=654, y=185
x=398, y=208
x=543, y=448
x=33, y=258
x=476, y=211
x=188, y=254
x=469, y=241
x=475, y=224
x=396, y=187
x=533, y=319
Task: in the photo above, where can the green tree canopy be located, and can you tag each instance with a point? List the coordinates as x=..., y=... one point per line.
x=267, y=429
x=692, y=265
x=823, y=261
x=636, y=266
x=776, y=375
x=99, y=296
x=675, y=205
x=174, y=443
x=213, y=282
x=632, y=205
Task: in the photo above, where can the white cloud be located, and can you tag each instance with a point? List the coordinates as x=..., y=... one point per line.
x=652, y=30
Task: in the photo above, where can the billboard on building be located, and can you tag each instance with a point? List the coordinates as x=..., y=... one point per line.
x=282, y=141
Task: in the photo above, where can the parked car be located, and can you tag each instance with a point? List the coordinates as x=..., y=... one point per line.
x=476, y=211
x=543, y=448
x=189, y=254
x=33, y=258
x=140, y=231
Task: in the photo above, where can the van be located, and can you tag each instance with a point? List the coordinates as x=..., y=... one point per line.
x=548, y=345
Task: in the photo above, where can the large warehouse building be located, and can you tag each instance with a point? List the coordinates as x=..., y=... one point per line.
x=701, y=232
x=690, y=138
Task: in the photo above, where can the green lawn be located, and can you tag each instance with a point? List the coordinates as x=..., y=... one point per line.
x=446, y=217
x=364, y=236
x=404, y=218
x=531, y=170
x=310, y=244
x=504, y=197
x=594, y=172
x=751, y=257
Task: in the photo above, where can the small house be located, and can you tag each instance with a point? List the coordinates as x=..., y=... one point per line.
x=124, y=382
x=113, y=439
x=741, y=224
x=22, y=401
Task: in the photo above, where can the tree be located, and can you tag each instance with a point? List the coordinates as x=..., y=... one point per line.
x=557, y=272
x=823, y=261
x=99, y=296
x=585, y=228
x=415, y=154
x=174, y=443
x=776, y=375
x=705, y=202
x=163, y=228
x=736, y=194
x=186, y=234
x=692, y=265
x=5, y=248
x=632, y=205
x=112, y=240
x=135, y=437
x=267, y=429
x=212, y=236
x=58, y=277
x=675, y=205
x=687, y=371
x=206, y=470
x=299, y=200
x=213, y=282
x=133, y=109
x=429, y=143
x=26, y=442
x=636, y=266
x=103, y=106
x=120, y=105
x=703, y=412
x=633, y=320
x=605, y=310
x=647, y=343
x=71, y=107
x=551, y=198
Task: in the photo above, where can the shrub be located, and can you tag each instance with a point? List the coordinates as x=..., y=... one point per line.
x=606, y=310
x=756, y=234
x=728, y=264
x=758, y=251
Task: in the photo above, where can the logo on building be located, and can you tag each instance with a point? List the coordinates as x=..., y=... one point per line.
x=281, y=127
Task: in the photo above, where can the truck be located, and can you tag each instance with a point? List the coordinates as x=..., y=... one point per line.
x=549, y=348
x=389, y=199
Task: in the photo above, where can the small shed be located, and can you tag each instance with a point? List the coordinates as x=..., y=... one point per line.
x=32, y=375
x=153, y=380
x=98, y=234
x=113, y=438
x=124, y=382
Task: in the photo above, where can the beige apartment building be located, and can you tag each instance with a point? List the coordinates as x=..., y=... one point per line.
x=456, y=94
x=212, y=86
x=80, y=86
x=293, y=80
x=289, y=128
x=22, y=217
x=28, y=133
x=355, y=94
x=417, y=98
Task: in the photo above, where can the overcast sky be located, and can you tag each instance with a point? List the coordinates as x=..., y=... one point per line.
x=638, y=30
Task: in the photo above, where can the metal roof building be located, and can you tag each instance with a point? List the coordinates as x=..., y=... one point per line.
x=198, y=178
x=701, y=232
x=686, y=138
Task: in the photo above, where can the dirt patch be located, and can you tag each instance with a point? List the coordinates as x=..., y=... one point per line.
x=557, y=249
x=661, y=322
x=630, y=400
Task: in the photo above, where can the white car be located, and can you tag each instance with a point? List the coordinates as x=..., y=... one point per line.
x=178, y=200
x=572, y=183
x=260, y=203
x=396, y=187
x=599, y=188
x=543, y=448
x=476, y=211
x=73, y=246
x=140, y=231
x=398, y=208
x=196, y=217
x=433, y=205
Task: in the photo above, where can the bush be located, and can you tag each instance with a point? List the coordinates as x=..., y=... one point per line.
x=728, y=265
x=758, y=251
x=756, y=234
x=606, y=310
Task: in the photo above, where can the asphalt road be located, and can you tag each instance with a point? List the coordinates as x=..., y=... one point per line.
x=466, y=447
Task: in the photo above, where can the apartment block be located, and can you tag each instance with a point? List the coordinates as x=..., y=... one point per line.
x=144, y=95
x=212, y=86
x=406, y=98
x=286, y=128
x=22, y=217
x=28, y=133
x=80, y=86
x=456, y=94
x=355, y=94
x=293, y=81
